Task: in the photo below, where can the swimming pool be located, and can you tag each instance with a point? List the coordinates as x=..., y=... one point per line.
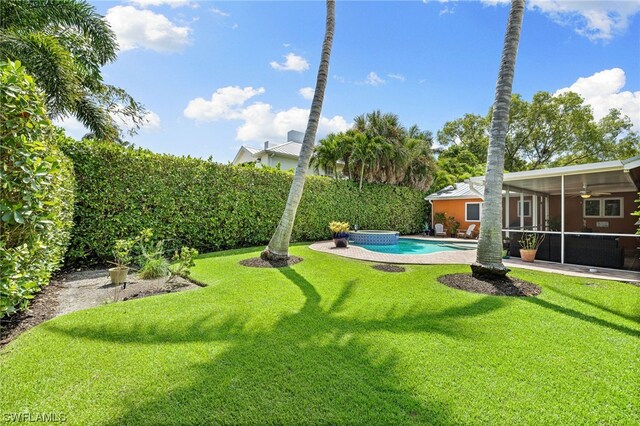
x=416, y=246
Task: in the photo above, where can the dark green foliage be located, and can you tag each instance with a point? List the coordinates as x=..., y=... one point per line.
x=209, y=206
x=36, y=182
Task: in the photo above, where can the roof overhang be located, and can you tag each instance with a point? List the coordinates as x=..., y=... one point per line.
x=607, y=176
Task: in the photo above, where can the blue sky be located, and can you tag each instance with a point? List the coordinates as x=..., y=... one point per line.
x=217, y=75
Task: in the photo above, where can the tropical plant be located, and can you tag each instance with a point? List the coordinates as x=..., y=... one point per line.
x=531, y=241
x=184, y=261
x=122, y=252
x=278, y=247
x=152, y=262
x=380, y=150
x=328, y=153
x=36, y=187
x=154, y=266
x=63, y=44
x=489, y=253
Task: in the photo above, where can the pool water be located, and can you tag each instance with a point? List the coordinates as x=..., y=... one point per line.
x=415, y=246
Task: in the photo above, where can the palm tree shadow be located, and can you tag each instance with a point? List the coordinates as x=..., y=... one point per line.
x=582, y=316
x=310, y=366
x=634, y=318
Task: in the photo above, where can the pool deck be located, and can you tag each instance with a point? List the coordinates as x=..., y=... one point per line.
x=466, y=257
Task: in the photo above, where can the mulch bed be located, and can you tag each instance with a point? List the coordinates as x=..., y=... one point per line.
x=42, y=308
x=256, y=262
x=388, y=268
x=501, y=287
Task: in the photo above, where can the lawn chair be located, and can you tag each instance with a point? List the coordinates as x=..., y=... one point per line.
x=440, y=231
x=467, y=233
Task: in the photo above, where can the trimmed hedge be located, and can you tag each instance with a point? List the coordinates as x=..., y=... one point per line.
x=210, y=206
x=36, y=182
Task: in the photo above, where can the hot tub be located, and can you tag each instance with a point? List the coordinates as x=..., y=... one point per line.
x=373, y=237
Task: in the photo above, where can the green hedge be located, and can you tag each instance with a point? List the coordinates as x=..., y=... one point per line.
x=36, y=182
x=209, y=206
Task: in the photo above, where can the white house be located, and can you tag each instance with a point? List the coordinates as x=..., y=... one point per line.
x=285, y=154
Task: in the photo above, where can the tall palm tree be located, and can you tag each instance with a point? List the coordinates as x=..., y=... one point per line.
x=366, y=150
x=63, y=44
x=278, y=247
x=489, y=257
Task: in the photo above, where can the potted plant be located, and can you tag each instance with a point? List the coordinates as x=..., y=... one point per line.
x=122, y=259
x=340, y=231
x=454, y=225
x=529, y=246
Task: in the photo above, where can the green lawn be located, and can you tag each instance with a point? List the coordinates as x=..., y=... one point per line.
x=331, y=340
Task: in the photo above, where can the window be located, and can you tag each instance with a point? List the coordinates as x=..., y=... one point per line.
x=527, y=208
x=603, y=207
x=472, y=212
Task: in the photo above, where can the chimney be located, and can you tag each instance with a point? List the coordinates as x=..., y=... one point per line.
x=266, y=145
x=295, y=136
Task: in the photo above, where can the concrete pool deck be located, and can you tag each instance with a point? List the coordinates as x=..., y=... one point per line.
x=467, y=257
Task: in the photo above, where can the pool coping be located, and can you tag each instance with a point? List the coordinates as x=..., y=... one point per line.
x=467, y=257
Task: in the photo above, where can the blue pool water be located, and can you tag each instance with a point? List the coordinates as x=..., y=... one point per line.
x=415, y=246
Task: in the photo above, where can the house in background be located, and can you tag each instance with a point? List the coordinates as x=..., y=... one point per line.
x=583, y=211
x=284, y=154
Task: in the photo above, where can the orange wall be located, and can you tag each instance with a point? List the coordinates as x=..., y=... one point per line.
x=456, y=209
x=573, y=213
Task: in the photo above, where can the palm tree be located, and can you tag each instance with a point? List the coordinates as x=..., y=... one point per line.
x=327, y=153
x=63, y=44
x=365, y=151
x=489, y=257
x=278, y=247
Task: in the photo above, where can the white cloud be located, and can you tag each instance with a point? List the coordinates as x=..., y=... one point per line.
x=222, y=104
x=260, y=122
x=172, y=3
x=596, y=20
x=234, y=26
x=145, y=29
x=602, y=91
x=307, y=92
x=292, y=62
x=398, y=77
x=373, y=79
x=219, y=12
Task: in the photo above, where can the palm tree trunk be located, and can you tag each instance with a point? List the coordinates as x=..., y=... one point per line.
x=278, y=247
x=489, y=257
x=361, y=175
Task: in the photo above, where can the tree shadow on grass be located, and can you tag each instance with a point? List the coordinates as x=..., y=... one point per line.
x=583, y=317
x=310, y=367
x=634, y=318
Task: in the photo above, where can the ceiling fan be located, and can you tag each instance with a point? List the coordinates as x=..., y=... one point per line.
x=586, y=193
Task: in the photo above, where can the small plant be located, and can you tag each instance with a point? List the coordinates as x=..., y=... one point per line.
x=339, y=229
x=453, y=225
x=440, y=217
x=155, y=266
x=122, y=252
x=184, y=261
x=531, y=241
x=152, y=262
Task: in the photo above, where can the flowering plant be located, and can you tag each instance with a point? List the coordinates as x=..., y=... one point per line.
x=339, y=229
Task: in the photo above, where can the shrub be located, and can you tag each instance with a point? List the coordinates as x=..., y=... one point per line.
x=36, y=182
x=209, y=206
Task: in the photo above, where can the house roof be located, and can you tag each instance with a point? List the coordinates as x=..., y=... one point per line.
x=288, y=148
x=458, y=191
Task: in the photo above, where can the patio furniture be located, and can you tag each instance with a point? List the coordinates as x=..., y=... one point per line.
x=467, y=233
x=440, y=231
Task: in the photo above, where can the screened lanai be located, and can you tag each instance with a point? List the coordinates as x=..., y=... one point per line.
x=583, y=211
